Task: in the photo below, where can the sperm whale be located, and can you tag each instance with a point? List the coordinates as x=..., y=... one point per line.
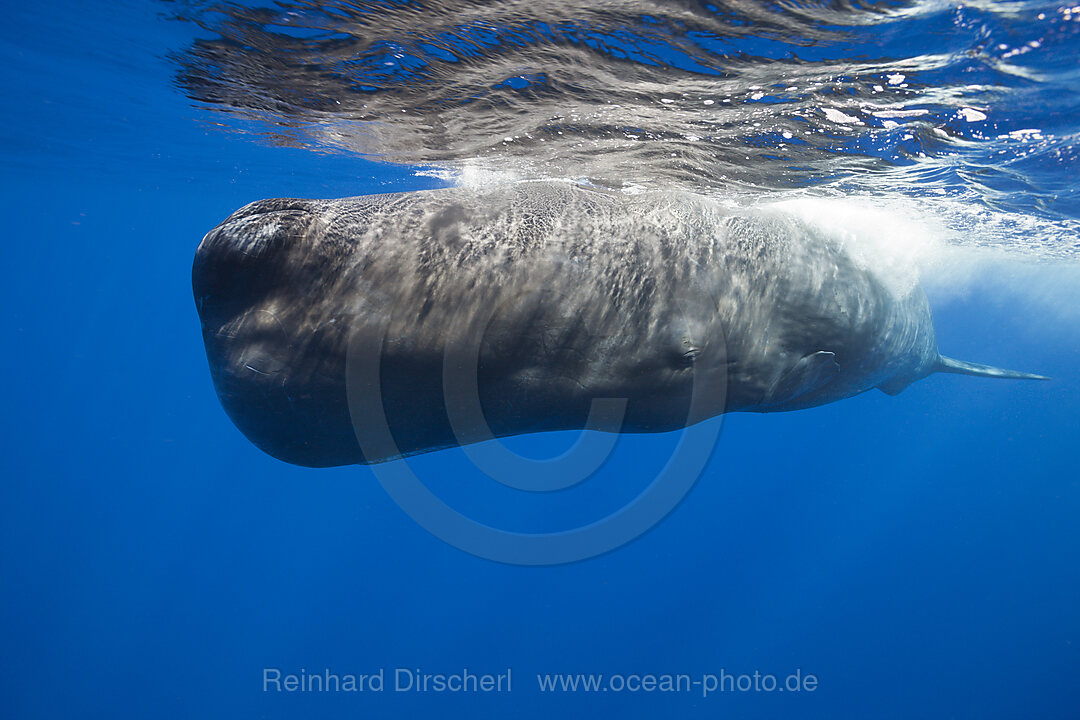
x=559, y=295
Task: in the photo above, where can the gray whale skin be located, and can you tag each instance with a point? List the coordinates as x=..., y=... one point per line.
x=566, y=293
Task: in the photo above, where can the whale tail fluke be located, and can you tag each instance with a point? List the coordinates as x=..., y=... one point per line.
x=960, y=367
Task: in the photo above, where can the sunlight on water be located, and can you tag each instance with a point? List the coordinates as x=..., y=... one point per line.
x=963, y=117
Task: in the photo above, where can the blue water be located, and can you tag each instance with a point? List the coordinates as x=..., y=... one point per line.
x=919, y=555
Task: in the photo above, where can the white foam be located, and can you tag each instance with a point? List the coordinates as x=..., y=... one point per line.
x=905, y=245
x=839, y=117
x=471, y=175
x=891, y=244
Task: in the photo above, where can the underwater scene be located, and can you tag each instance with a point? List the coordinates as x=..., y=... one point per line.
x=636, y=359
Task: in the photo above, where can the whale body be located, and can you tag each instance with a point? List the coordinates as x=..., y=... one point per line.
x=539, y=298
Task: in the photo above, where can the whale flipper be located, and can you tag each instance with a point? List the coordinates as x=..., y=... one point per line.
x=808, y=374
x=960, y=367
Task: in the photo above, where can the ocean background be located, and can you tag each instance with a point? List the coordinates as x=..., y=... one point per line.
x=919, y=554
